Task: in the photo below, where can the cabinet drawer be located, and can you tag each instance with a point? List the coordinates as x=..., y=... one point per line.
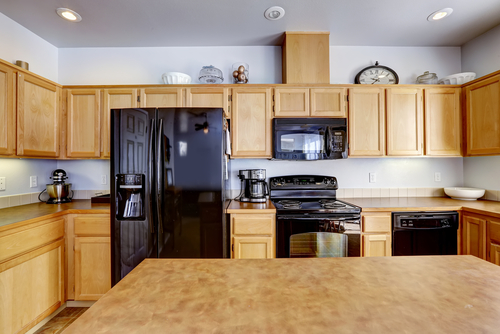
x=18, y=243
x=92, y=225
x=380, y=223
x=253, y=223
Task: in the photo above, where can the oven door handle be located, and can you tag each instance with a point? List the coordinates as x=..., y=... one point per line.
x=354, y=220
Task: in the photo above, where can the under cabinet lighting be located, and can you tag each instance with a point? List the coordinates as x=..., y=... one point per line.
x=440, y=14
x=68, y=14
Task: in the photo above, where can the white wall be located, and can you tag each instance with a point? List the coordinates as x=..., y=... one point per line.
x=353, y=172
x=482, y=172
x=86, y=174
x=18, y=171
x=482, y=54
x=18, y=43
x=408, y=62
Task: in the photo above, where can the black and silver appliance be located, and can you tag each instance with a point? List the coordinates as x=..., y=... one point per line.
x=308, y=204
x=253, y=185
x=168, y=189
x=424, y=233
x=309, y=138
x=59, y=191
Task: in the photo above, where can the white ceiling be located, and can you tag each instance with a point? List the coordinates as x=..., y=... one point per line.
x=147, y=23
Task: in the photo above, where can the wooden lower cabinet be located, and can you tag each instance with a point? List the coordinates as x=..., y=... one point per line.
x=253, y=236
x=31, y=274
x=474, y=236
x=376, y=234
x=493, y=240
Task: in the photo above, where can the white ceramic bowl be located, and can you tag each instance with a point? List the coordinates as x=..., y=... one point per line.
x=469, y=194
x=457, y=79
x=176, y=78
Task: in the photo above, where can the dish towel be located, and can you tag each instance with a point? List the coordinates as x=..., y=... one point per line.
x=228, y=142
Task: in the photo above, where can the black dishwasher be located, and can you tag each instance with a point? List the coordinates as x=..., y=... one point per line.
x=424, y=233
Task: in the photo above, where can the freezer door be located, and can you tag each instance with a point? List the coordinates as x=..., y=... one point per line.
x=191, y=183
x=133, y=232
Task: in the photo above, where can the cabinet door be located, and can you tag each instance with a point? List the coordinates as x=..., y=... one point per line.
x=328, y=102
x=253, y=247
x=483, y=117
x=83, y=123
x=443, y=122
x=291, y=102
x=7, y=110
x=474, y=236
x=92, y=267
x=251, y=123
x=366, y=121
x=38, y=117
x=495, y=254
x=494, y=241
x=404, y=122
x=114, y=98
x=161, y=97
x=376, y=245
x=209, y=98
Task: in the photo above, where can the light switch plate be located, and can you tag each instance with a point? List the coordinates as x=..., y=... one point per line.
x=437, y=177
x=373, y=177
x=103, y=179
x=2, y=183
x=33, y=181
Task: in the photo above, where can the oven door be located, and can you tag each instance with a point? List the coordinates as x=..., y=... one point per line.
x=292, y=225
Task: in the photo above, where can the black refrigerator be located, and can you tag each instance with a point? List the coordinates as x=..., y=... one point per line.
x=169, y=172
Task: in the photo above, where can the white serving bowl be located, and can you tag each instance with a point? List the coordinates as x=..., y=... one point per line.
x=176, y=78
x=457, y=79
x=469, y=194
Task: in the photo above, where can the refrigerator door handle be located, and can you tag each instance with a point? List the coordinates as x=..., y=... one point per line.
x=159, y=171
x=151, y=171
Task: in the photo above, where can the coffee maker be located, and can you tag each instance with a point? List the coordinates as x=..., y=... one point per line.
x=253, y=185
x=59, y=191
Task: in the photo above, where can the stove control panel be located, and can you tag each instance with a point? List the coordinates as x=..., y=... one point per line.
x=304, y=182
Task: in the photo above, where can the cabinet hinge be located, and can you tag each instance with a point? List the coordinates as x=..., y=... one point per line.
x=232, y=248
x=138, y=98
x=347, y=98
x=230, y=98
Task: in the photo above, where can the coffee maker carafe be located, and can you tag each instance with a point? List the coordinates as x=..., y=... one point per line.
x=254, y=185
x=59, y=191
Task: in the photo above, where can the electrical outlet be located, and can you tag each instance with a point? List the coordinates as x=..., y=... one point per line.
x=373, y=177
x=33, y=181
x=437, y=176
x=103, y=179
x=2, y=183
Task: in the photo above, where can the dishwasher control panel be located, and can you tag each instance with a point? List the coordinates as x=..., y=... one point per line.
x=427, y=220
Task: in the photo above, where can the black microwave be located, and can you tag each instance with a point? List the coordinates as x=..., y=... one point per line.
x=309, y=138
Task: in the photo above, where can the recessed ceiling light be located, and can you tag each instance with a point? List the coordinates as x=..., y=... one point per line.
x=440, y=14
x=68, y=14
x=274, y=13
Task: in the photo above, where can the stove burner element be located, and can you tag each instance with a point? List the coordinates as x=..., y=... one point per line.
x=331, y=204
x=289, y=204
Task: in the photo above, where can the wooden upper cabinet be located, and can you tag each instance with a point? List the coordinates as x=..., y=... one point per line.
x=366, y=121
x=291, y=102
x=113, y=99
x=251, y=122
x=482, y=100
x=7, y=110
x=404, y=121
x=38, y=117
x=443, y=122
x=209, y=97
x=161, y=97
x=328, y=102
x=83, y=123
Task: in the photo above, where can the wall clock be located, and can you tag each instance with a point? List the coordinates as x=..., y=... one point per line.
x=377, y=75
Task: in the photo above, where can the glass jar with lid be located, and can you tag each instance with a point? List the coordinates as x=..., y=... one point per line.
x=427, y=78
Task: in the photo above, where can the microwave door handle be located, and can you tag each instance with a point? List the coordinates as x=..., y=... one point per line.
x=327, y=141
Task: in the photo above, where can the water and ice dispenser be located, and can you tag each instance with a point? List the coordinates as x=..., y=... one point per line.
x=130, y=189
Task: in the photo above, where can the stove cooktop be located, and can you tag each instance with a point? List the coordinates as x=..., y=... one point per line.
x=313, y=205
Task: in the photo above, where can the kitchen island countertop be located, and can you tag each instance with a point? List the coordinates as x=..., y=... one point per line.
x=419, y=294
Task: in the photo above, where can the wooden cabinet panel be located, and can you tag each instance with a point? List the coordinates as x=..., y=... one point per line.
x=366, y=122
x=493, y=243
x=31, y=288
x=38, y=117
x=7, y=110
x=495, y=254
x=291, y=102
x=376, y=245
x=92, y=267
x=92, y=225
x=253, y=247
x=443, y=122
x=253, y=223
x=474, y=236
x=161, y=97
x=209, y=98
x=377, y=222
x=404, y=121
x=483, y=117
x=251, y=123
x=114, y=98
x=328, y=102
x=83, y=123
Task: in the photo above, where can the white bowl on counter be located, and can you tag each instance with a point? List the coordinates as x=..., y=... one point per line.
x=468, y=194
x=176, y=78
x=457, y=79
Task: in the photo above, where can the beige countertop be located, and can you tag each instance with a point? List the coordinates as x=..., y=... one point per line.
x=431, y=294
x=32, y=212
x=245, y=207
